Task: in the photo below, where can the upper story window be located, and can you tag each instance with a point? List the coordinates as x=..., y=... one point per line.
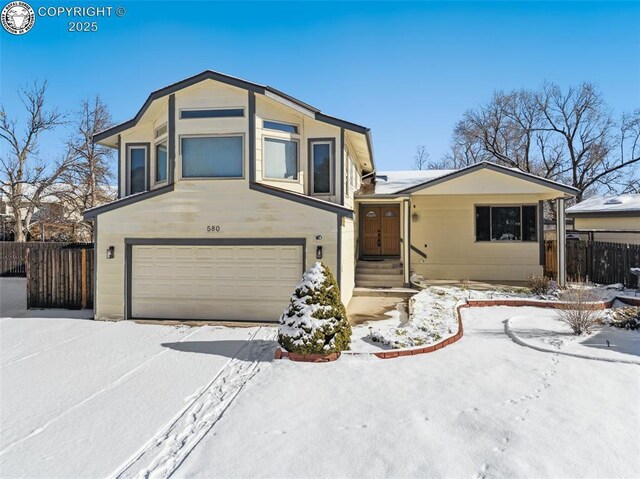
x=278, y=126
x=212, y=156
x=161, y=162
x=322, y=166
x=137, y=156
x=280, y=159
x=212, y=113
x=161, y=131
x=506, y=223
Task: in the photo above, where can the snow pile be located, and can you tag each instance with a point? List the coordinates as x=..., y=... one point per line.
x=315, y=320
x=433, y=316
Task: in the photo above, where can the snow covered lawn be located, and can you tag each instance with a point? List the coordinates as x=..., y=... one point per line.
x=91, y=399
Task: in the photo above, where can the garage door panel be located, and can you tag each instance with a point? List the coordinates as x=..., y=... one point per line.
x=213, y=282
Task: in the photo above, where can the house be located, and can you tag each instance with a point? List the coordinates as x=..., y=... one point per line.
x=229, y=189
x=607, y=218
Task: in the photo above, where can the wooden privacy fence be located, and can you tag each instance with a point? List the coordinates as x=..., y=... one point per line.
x=60, y=278
x=13, y=255
x=596, y=261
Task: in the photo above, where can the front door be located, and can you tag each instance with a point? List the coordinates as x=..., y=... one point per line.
x=380, y=233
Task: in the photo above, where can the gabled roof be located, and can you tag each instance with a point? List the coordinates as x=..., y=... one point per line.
x=491, y=167
x=239, y=83
x=393, y=182
x=628, y=204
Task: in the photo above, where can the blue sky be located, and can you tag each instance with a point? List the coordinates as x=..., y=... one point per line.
x=407, y=70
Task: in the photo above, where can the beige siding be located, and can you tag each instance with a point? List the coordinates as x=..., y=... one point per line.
x=348, y=259
x=608, y=223
x=445, y=231
x=186, y=212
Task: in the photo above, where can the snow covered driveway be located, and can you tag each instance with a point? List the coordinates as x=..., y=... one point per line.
x=91, y=399
x=81, y=398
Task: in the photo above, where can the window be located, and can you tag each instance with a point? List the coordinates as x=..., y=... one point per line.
x=161, y=131
x=280, y=159
x=322, y=167
x=137, y=163
x=274, y=125
x=212, y=157
x=506, y=223
x=220, y=113
x=161, y=162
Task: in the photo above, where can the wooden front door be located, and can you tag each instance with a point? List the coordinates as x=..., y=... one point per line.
x=380, y=231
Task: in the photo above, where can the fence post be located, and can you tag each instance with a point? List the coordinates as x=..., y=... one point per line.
x=27, y=268
x=83, y=278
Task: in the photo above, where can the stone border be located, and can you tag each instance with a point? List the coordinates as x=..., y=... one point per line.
x=470, y=303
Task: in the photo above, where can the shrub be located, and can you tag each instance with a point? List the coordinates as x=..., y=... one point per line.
x=579, y=310
x=315, y=322
x=627, y=318
x=538, y=284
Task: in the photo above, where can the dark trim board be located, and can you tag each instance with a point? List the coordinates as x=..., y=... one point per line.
x=171, y=130
x=127, y=200
x=119, y=166
x=131, y=242
x=303, y=199
x=541, y=231
x=342, y=167
x=252, y=136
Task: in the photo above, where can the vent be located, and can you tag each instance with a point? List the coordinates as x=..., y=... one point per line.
x=613, y=201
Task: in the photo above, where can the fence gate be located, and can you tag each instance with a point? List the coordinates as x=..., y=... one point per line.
x=60, y=278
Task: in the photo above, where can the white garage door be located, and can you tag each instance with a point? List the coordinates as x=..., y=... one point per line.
x=251, y=283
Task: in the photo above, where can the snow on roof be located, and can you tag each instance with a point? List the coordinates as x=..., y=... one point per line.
x=391, y=182
x=603, y=204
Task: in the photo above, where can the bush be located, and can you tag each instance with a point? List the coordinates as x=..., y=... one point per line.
x=538, y=284
x=315, y=322
x=579, y=309
x=627, y=318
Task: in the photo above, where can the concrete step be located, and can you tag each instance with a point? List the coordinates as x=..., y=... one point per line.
x=380, y=278
x=380, y=283
x=382, y=271
x=380, y=292
x=379, y=264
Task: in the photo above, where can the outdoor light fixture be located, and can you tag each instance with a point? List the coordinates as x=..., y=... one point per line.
x=414, y=217
x=111, y=252
x=318, y=252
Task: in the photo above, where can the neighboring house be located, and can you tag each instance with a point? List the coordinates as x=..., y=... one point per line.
x=607, y=218
x=229, y=190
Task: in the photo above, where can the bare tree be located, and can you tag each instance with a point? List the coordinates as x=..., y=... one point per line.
x=421, y=158
x=568, y=136
x=25, y=178
x=91, y=173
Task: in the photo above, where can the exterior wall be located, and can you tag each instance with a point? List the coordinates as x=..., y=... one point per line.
x=445, y=231
x=348, y=260
x=352, y=175
x=607, y=223
x=187, y=211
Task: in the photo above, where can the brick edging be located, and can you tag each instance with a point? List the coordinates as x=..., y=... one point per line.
x=470, y=303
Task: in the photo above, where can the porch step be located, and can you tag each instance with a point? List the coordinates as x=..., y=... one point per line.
x=380, y=292
x=384, y=264
x=380, y=272
x=387, y=282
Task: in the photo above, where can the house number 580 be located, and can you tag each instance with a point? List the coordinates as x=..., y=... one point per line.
x=213, y=228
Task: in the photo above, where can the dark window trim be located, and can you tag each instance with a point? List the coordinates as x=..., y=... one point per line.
x=332, y=169
x=510, y=205
x=130, y=242
x=155, y=162
x=264, y=159
x=276, y=122
x=211, y=135
x=127, y=147
x=209, y=113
